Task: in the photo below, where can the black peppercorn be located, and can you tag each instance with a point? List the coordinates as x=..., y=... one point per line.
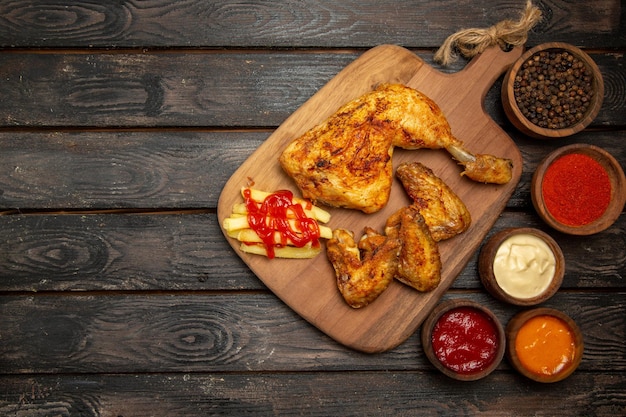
x=553, y=89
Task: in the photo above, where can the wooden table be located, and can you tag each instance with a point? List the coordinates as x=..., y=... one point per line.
x=120, y=122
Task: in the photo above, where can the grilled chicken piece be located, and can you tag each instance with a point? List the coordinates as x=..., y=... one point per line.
x=482, y=167
x=421, y=124
x=444, y=212
x=361, y=281
x=346, y=160
x=419, y=263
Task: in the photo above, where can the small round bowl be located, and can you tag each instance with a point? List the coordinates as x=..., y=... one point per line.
x=517, y=323
x=555, y=109
x=524, y=288
x=486, y=316
x=616, y=179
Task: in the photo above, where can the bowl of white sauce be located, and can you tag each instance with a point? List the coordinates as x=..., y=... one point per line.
x=522, y=266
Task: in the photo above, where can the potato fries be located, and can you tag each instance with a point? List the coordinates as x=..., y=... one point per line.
x=277, y=225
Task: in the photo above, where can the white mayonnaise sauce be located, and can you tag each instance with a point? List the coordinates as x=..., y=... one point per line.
x=524, y=266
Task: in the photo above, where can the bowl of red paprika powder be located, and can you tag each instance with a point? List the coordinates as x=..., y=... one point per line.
x=579, y=189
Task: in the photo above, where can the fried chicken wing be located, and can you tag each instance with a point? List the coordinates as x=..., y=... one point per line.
x=444, y=212
x=361, y=281
x=419, y=263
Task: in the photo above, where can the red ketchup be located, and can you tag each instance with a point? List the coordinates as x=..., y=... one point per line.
x=279, y=213
x=465, y=340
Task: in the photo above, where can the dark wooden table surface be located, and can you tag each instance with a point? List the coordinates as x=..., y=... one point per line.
x=121, y=121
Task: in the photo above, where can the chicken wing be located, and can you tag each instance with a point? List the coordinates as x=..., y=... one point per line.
x=419, y=263
x=361, y=281
x=444, y=212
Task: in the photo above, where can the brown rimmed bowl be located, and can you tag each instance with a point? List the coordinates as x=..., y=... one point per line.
x=433, y=318
x=616, y=178
x=488, y=277
x=514, y=326
x=526, y=126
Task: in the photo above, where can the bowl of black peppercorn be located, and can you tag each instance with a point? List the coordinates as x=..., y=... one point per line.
x=553, y=90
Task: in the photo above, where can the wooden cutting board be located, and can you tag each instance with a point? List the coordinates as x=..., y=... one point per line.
x=309, y=286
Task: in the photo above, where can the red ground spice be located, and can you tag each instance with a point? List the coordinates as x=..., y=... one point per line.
x=576, y=189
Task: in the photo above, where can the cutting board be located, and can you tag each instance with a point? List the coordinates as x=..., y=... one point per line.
x=309, y=286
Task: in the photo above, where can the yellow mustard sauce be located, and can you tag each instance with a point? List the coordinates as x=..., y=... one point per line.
x=524, y=266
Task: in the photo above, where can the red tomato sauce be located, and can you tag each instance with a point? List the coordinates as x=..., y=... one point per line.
x=279, y=213
x=465, y=340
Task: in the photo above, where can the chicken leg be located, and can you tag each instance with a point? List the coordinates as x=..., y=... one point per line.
x=421, y=124
x=346, y=160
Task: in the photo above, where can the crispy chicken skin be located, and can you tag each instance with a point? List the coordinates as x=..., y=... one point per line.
x=422, y=124
x=444, y=212
x=346, y=160
x=406, y=252
x=419, y=263
x=361, y=281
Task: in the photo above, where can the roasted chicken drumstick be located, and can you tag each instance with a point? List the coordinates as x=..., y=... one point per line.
x=346, y=160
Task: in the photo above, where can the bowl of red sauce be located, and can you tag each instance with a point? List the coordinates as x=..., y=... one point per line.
x=463, y=339
x=579, y=189
x=544, y=344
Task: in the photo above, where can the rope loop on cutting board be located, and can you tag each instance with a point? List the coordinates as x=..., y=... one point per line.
x=471, y=42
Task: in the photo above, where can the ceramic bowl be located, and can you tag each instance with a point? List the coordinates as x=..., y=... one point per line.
x=513, y=329
x=616, y=179
x=523, y=123
x=430, y=351
x=522, y=289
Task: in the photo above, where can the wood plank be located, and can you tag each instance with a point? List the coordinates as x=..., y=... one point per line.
x=239, y=332
x=203, y=89
x=169, y=169
x=119, y=169
x=174, y=252
x=395, y=392
x=327, y=23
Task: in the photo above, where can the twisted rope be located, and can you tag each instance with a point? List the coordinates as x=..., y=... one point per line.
x=471, y=42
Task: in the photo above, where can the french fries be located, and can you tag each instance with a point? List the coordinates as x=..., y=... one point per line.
x=292, y=243
x=316, y=212
x=290, y=252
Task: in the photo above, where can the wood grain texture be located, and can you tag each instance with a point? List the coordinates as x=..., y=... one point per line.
x=169, y=169
x=120, y=123
x=203, y=89
x=187, y=252
x=305, y=393
x=327, y=23
x=123, y=170
x=239, y=333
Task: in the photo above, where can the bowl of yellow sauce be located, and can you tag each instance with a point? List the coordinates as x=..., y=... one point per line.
x=544, y=344
x=523, y=266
